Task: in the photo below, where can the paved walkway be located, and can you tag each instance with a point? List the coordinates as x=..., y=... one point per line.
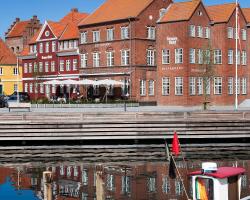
x=134, y=109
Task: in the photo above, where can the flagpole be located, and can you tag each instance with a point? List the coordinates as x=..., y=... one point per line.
x=236, y=55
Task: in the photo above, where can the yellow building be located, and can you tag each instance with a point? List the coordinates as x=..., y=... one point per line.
x=10, y=75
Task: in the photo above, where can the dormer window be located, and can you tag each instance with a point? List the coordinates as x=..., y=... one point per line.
x=162, y=12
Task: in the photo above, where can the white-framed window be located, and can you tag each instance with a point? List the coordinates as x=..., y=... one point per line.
x=165, y=56
x=36, y=88
x=61, y=170
x=69, y=171
x=125, y=57
x=30, y=67
x=85, y=177
x=66, y=44
x=41, y=88
x=230, y=57
x=178, y=56
x=68, y=63
x=25, y=87
x=15, y=71
x=53, y=89
x=230, y=32
x=40, y=66
x=150, y=57
x=52, y=66
x=110, y=58
x=191, y=30
x=41, y=47
x=61, y=65
x=244, y=34
x=178, y=187
x=200, y=56
x=60, y=46
x=75, y=171
x=126, y=184
x=53, y=46
x=15, y=87
x=199, y=86
x=47, y=90
x=110, y=182
x=83, y=38
x=237, y=33
x=75, y=63
x=217, y=85
x=84, y=60
x=25, y=69
x=165, y=185
x=244, y=57
x=217, y=56
x=96, y=36
x=142, y=87
x=207, y=56
x=230, y=85
x=75, y=44
x=46, y=66
x=151, y=88
x=191, y=55
x=199, y=31
x=110, y=34
x=207, y=32
x=47, y=47
x=151, y=33
x=244, y=85
x=31, y=49
x=237, y=57
x=124, y=32
x=238, y=86
x=165, y=86
x=96, y=59
x=192, y=86
x=35, y=67
x=207, y=85
x=151, y=183
x=178, y=85
x=71, y=44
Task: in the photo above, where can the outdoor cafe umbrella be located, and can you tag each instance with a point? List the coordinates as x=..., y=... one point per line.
x=108, y=82
x=53, y=82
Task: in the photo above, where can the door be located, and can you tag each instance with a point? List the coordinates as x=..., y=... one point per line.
x=1, y=89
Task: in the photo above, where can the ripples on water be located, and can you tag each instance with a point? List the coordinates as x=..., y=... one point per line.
x=138, y=172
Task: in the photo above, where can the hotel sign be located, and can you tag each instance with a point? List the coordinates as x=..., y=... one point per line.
x=47, y=57
x=172, y=40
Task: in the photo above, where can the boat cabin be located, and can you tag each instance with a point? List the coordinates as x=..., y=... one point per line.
x=212, y=183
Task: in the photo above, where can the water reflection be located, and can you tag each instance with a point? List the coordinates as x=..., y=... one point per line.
x=81, y=181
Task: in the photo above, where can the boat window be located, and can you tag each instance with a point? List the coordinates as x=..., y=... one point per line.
x=204, y=189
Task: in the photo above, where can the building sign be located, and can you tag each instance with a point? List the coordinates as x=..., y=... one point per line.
x=172, y=68
x=172, y=40
x=102, y=45
x=46, y=57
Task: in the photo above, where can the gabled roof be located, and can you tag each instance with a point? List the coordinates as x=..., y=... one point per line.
x=221, y=13
x=18, y=29
x=180, y=11
x=7, y=57
x=113, y=10
x=74, y=16
x=70, y=32
x=246, y=13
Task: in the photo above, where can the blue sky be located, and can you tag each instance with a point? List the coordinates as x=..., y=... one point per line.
x=56, y=9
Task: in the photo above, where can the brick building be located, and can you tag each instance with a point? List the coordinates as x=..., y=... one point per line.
x=118, y=42
x=20, y=33
x=52, y=54
x=196, y=56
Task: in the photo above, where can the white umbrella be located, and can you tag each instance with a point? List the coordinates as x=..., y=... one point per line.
x=108, y=82
x=53, y=82
x=86, y=82
x=69, y=82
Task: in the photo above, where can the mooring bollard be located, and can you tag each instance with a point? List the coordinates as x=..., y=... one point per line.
x=47, y=185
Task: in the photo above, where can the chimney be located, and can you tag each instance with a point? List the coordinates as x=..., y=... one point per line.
x=34, y=17
x=17, y=19
x=74, y=10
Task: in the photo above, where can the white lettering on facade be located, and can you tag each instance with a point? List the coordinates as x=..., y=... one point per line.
x=46, y=57
x=172, y=40
x=172, y=68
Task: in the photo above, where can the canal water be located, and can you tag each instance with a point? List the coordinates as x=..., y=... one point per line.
x=111, y=172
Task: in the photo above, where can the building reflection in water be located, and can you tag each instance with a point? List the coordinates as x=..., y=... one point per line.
x=146, y=181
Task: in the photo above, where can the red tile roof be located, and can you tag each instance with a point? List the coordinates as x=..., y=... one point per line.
x=180, y=11
x=7, y=57
x=246, y=12
x=25, y=51
x=221, y=13
x=74, y=16
x=70, y=32
x=113, y=10
x=18, y=29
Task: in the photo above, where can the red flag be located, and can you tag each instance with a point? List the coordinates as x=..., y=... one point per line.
x=175, y=145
